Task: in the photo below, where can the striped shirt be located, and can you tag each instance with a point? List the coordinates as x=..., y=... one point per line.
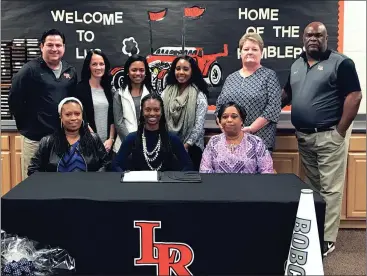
x=72, y=161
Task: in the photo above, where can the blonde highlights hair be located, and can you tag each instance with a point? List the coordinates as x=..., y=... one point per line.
x=254, y=37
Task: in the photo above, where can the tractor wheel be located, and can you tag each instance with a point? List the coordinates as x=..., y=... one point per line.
x=215, y=74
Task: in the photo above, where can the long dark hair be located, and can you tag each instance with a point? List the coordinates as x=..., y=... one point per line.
x=86, y=140
x=166, y=148
x=196, y=75
x=106, y=78
x=148, y=75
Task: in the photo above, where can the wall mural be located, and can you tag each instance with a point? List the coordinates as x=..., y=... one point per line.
x=160, y=59
x=209, y=31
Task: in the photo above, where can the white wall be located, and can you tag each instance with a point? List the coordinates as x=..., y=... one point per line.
x=355, y=41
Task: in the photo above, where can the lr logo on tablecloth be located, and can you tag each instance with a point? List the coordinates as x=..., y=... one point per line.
x=169, y=258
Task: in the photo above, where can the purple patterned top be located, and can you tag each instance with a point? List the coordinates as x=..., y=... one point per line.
x=250, y=156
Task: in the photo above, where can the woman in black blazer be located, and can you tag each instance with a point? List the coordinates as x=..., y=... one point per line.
x=94, y=91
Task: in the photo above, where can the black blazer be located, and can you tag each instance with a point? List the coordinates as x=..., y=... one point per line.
x=84, y=94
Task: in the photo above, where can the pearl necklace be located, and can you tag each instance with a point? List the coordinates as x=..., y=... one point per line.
x=151, y=156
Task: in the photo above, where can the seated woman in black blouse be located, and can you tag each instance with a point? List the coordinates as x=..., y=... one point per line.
x=72, y=148
x=152, y=147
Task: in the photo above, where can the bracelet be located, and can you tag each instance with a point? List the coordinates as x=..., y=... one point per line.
x=113, y=140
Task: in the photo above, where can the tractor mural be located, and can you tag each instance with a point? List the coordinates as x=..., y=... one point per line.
x=160, y=60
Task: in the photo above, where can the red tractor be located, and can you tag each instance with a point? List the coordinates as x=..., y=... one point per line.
x=160, y=60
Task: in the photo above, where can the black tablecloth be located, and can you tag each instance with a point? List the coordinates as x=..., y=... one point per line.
x=235, y=223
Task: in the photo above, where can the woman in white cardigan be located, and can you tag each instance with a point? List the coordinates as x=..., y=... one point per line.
x=126, y=100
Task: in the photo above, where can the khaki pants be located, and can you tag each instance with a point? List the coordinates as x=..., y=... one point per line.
x=29, y=148
x=324, y=158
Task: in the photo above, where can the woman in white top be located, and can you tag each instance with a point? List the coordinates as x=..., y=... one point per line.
x=127, y=99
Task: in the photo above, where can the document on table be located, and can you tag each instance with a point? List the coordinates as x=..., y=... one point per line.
x=141, y=176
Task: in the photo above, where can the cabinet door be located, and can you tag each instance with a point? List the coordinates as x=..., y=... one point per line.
x=343, y=214
x=286, y=162
x=356, y=186
x=5, y=172
x=5, y=164
x=17, y=165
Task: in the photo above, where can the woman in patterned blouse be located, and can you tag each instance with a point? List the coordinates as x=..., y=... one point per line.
x=185, y=105
x=256, y=89
x=235, y=151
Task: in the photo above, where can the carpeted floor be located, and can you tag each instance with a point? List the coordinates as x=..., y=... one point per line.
x=349, y=257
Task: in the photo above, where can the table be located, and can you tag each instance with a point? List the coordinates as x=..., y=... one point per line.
x=234, y=223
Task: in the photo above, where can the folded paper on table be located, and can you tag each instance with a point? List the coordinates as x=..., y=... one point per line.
x=140, y=176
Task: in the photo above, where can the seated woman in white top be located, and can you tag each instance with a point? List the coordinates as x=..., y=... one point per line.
x=127, y=99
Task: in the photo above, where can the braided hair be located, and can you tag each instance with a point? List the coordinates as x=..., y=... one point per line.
x=166, y=148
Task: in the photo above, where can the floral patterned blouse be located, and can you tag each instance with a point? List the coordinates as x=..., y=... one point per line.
x=250, y=156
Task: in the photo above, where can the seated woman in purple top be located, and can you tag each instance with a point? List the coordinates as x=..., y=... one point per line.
x=235, y=151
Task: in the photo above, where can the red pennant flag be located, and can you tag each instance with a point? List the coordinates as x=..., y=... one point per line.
x=194, y=12
x=156, y=16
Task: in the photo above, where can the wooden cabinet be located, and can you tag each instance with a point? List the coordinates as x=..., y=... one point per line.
x=354, y=198
x=286, y=162
x=17, y=160
x=353, y=214
x=356, y=186
x=5, y=172
x=343, y=214
x=5, y=164
x=11, y=153
x=286, y=158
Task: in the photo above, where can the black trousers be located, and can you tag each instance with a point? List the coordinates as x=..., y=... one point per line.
x=195, y=154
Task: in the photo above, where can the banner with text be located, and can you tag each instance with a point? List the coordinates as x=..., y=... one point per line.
x=207, y=30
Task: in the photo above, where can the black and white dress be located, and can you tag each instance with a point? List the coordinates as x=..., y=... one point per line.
x=259, y=95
